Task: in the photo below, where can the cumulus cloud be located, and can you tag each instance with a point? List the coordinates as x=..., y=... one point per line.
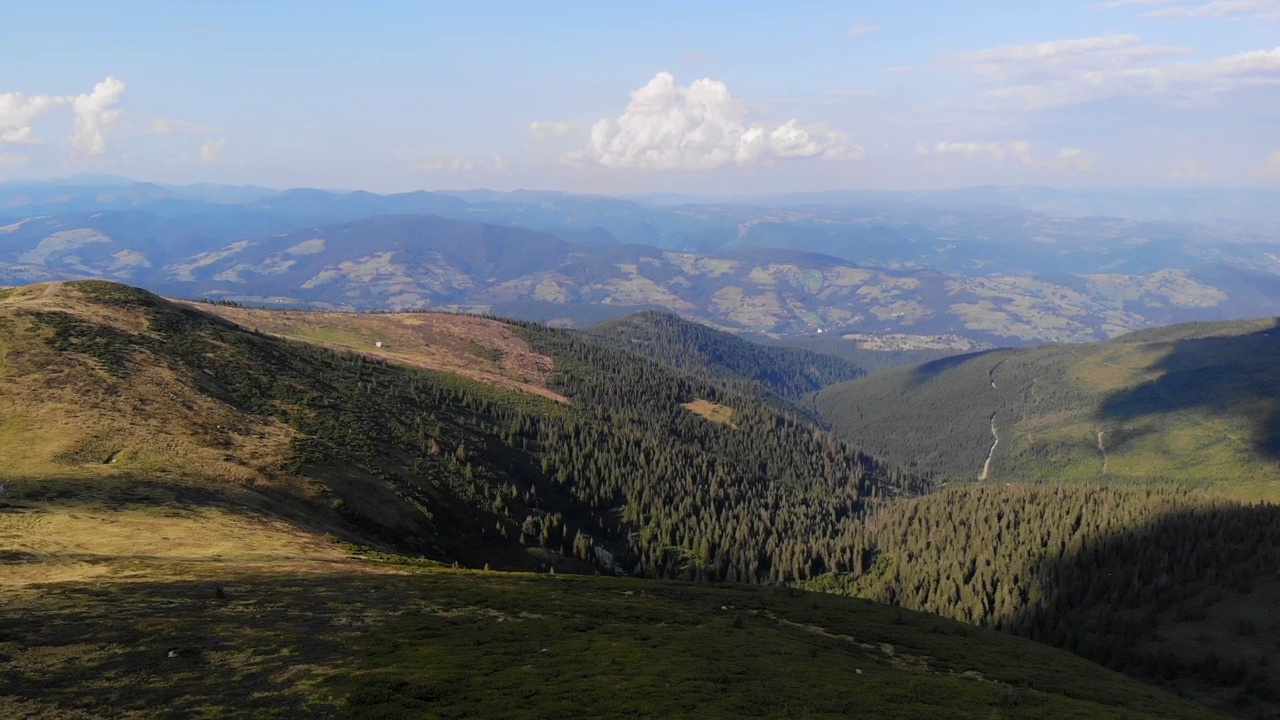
x=1068, y=72
x=540, y=130
x=95, y=113
x=702, y=127
x=211, y=151
x=1019, y=151
x=18, y=112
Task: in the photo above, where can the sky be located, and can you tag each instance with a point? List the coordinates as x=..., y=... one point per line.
x=707, y=97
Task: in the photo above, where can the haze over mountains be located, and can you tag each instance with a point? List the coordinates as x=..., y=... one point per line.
x=986, y=264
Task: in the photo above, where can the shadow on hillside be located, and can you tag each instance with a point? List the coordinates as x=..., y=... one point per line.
x=1236, y=378
x=1186, y=602
x=925, y=372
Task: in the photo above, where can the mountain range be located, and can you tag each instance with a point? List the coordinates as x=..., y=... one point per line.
x=863, y=265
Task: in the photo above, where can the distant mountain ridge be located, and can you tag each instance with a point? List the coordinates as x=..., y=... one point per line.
x=917, y=265
x=408, y=262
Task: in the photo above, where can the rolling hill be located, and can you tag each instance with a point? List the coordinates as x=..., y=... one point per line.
x=192, y=505
x=1192, y=403
x=545, y=448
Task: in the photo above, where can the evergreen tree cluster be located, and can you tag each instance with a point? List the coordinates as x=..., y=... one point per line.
x=1101, y=571
x=701, y=351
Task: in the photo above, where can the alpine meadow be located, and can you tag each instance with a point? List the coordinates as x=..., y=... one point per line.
x=501, y=360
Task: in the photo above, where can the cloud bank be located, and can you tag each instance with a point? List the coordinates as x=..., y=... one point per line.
x=702, y=127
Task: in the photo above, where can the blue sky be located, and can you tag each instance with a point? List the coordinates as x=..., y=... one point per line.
x=708, y=97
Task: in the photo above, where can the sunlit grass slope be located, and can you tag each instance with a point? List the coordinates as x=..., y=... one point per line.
x=1197, y=404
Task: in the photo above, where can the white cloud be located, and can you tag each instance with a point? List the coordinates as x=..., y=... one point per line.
x=1073, y=160
x=12, y=160
x=162, y=126
x=970, y=149
x=18, y=112
x=451, y=163
x=860, y=30
x=211, y=151
x=702, y=127
x=1008, y=63
x=1261, y=9
x=540, y=130
x=1019, y=151
x=1189, y=169
x=1068, y=72
x=95, y=113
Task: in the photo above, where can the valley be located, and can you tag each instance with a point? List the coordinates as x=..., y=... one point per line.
x=325, y=460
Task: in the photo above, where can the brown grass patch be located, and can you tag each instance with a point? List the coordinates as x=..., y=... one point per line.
x=721, y=414
x=435, y=341
x=66, y=541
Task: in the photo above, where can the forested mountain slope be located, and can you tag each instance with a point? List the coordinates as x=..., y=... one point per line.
x=1195, y=403
x=696, y=349
x=606, y=460
x=1170, y=586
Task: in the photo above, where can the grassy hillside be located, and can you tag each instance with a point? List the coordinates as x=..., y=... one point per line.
x=1192, y=403
x=438, y=643
x=696, y=349
x=515, y=446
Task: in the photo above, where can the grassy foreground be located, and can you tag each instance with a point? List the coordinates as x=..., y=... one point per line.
x=410, y=642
